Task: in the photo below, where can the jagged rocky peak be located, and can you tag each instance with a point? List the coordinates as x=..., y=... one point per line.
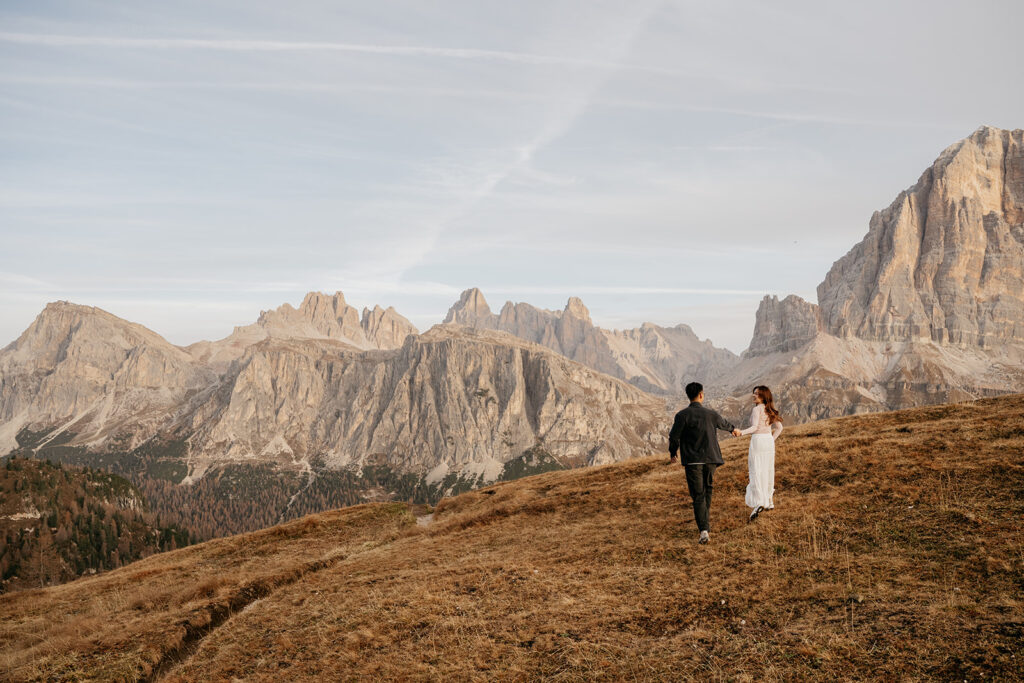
x=471, y=310
x=784, y=325
x=651, y=357
x=575, y=308
x=945, y=261
x=319, y=315
x=322, y=305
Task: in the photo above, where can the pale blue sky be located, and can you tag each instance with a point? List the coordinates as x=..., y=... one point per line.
x=186, y=164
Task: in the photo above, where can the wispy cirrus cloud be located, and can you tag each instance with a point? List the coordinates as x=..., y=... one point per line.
x=26, y=282
x=515, y=96
x=236, y=45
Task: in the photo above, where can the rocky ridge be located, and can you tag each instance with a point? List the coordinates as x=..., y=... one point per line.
x=654, y=358
x=927, y=308
x=452, y=401
x=320, y=316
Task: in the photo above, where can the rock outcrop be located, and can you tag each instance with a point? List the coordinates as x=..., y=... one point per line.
x=784, y=325
x=569, y=332
x=653, y=358
x=472, y=310
x=928, y=308
x=384, y=328
x=666, y=359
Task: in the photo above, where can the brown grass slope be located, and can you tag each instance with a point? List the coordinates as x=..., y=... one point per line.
x=895, y=553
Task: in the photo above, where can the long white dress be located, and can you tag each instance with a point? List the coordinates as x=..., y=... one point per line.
x=761, y=459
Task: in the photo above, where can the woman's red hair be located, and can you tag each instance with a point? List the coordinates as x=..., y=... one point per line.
x=765, y=394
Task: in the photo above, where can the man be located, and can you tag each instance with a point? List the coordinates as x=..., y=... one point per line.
x=693, y=435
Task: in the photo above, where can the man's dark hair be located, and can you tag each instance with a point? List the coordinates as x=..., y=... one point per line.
x=693, y=390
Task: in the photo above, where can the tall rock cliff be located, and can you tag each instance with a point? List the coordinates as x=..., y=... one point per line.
x=928, y=308
x=449, y=400
x=945, y=261
x=654, y=358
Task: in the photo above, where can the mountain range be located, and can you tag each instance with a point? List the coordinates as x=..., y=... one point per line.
x=927, y=308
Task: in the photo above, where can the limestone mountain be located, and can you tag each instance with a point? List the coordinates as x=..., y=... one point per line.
x=78, y=370
x=337, y=404
x=944, y=262
x=320, y=316
x=452, y=400
x=929, y=307
x=665, y=359
x=654, y=358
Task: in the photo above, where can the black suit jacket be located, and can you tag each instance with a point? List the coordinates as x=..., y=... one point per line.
x=693, y=435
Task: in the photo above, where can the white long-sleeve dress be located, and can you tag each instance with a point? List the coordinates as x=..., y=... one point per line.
x=761, y=459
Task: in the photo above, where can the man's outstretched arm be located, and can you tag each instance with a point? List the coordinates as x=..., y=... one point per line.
x=725, y=425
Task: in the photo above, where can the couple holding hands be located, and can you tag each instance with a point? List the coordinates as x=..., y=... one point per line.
x=695, y=438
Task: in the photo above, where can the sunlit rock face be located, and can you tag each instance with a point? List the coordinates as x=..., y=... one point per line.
x=453, y=396
x=454, y=400
x=784, y=325
x=945, y=261
x=928, y=308
x=94, y=374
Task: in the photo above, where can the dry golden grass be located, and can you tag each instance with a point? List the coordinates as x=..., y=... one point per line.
x=895, y=553
x=134, y=622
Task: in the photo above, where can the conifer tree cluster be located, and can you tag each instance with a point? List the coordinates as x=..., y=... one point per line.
x=58, y=522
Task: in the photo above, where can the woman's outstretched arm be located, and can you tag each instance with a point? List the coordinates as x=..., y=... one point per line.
x=755, y=419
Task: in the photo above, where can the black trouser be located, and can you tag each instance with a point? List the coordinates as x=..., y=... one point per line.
x=700, y=479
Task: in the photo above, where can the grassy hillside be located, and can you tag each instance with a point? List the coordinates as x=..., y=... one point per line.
x=895, y=553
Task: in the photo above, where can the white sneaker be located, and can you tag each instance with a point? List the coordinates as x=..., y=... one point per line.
x=704, y=537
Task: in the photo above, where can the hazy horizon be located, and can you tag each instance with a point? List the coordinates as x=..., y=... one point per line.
x=187, y=166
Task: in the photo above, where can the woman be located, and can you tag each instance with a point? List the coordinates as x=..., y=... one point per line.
x=765, y=425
